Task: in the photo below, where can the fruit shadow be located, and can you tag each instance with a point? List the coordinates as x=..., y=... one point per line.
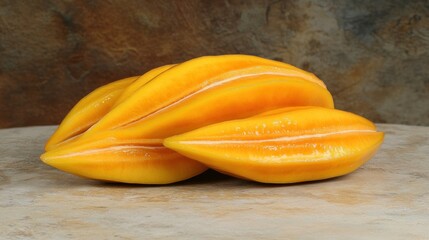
x=207, y=177
x=211, y=177
x=307, y=183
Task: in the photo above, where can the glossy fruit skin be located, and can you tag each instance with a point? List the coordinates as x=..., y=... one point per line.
x=284, y=146
x=172, y=103
x=88, y=111
x=127, y=164
x=187, y=79
x=117, y=132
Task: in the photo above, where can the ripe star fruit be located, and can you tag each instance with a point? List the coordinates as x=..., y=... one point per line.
x=117, y=132
x=286, y=146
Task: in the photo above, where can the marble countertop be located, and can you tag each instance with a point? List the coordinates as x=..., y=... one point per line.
x=387, y=198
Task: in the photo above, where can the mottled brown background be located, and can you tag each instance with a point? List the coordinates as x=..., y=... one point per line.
x=373, y=55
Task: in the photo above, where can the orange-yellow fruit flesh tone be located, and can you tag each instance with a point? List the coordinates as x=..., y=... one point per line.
x=140, y=82
x=96, y=104
x=286, y=130
x=88, y=111
x=194, y=113
x=192, y=76
x=219, y=104
x=302, y=144
x=177, y=98
x=236, y=94
x=127, y=164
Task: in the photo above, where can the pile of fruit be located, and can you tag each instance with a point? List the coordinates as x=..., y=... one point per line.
x=244, y=116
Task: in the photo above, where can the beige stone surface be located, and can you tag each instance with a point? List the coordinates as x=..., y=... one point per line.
x=387, y=198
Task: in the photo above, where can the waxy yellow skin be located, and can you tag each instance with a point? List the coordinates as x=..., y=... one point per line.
x=177, y=101
x=123, y=135
x=140, y=82
x=187, y=78
x=88, y=111
x=256, y=95
x=283, y=146
x=181, y=98
x=96, y=104
x=128, y=164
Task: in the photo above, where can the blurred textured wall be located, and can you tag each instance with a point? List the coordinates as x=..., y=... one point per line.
x=373, y=55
